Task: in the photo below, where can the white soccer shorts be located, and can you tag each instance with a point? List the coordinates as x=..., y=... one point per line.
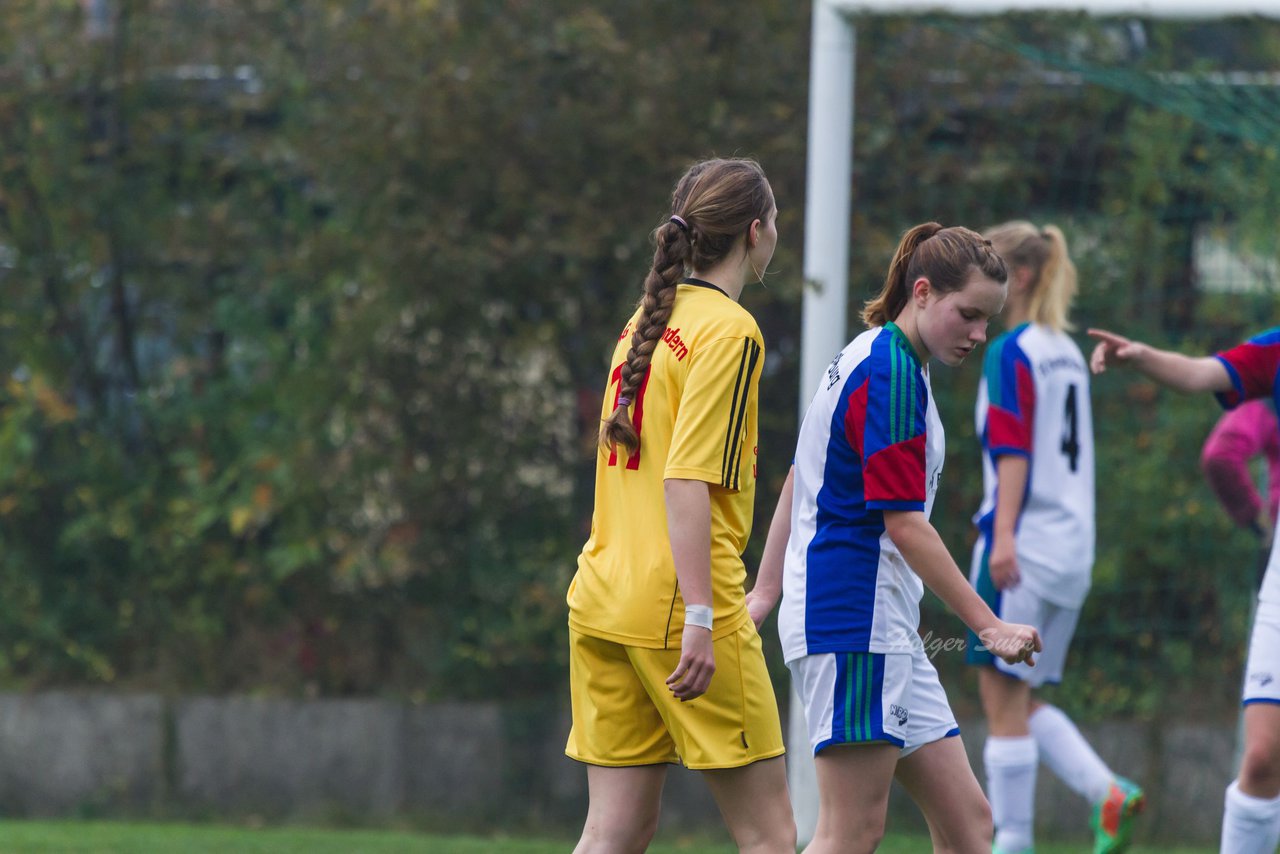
x=864, y=697
x=1056, y=625
x=1262, y=670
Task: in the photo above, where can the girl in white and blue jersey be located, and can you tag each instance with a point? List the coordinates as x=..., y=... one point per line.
x=1248, y=371
x=1034, y=555
x=859, y=550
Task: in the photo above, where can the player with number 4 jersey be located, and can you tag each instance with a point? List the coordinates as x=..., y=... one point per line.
x=1033, y=402
x=1034, y=554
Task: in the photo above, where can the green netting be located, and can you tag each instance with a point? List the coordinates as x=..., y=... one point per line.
x=1162, y=173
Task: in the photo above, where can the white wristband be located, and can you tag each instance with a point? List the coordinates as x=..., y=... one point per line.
x=698, y=615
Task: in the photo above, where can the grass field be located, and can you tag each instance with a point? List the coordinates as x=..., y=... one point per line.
x=21, y=837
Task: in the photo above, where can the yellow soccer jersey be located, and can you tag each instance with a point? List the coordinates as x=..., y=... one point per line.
x=696, y=413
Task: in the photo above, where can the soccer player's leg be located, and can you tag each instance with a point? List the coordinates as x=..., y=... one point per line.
x=856, y=710
x=940, y=780
x=1010, y=754
x=733, y=734
x=853, y=796
x=756, y=805
x=1251, y=818
x=622, y=808
x=620, y=734
x=935, y=770
x=1116, y=801
x=1113, y=817
x=1010, y=759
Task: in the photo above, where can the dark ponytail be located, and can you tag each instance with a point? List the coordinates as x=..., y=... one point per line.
x=896, y=290
x=944, y=256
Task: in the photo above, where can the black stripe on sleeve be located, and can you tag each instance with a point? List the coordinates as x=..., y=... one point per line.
x=736, y=460
x=726, y=455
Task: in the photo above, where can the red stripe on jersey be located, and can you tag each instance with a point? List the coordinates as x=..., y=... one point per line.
x=896, y=473
x=855, y=418
x=1257, y=365
x=1014, y=430
x=633, y=461
x=637, y=418
x=1027, y=400
x=1007, y=431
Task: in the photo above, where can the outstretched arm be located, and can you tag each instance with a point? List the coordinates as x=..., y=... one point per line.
x=1178, y=372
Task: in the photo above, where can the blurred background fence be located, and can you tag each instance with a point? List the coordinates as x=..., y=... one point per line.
x=306, y=311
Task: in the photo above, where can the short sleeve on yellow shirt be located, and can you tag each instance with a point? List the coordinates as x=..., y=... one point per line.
x=710, y=431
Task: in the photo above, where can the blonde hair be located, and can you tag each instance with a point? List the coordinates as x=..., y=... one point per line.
x=1043, y=251
x=712, y=206
x=944, y=256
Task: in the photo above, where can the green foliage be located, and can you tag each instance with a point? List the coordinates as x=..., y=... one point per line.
x=305, y=330
x=307, y=308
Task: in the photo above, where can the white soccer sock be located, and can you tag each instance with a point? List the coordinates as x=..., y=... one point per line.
x=1068, y=755
x=1249, y=825
x=1011, y=788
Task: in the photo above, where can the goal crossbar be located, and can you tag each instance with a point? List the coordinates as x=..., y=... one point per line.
x=1190, y=9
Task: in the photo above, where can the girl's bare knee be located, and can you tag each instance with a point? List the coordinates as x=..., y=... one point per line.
x=969, y=829
x=860, y=838
x=608, y=837
x=634, y=840
x=767, y=832
x=1260, y=769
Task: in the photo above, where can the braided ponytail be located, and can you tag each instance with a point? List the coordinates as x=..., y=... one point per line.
x=669, y=261
x=712, y=207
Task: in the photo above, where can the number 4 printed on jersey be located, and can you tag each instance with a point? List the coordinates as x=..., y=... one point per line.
x=1070, y=435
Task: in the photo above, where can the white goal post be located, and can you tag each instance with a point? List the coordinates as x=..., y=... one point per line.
x=829, y=169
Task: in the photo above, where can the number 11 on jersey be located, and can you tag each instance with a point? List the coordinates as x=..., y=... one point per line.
x=637, y=414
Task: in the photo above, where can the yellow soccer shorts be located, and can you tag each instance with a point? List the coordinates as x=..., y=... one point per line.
x=624, y=713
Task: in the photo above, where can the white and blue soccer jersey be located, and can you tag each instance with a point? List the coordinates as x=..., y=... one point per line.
x=1254, y=368
x=1033, y=400
x=871, y=441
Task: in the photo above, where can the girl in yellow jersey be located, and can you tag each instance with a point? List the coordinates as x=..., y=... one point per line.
x=665, y=660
